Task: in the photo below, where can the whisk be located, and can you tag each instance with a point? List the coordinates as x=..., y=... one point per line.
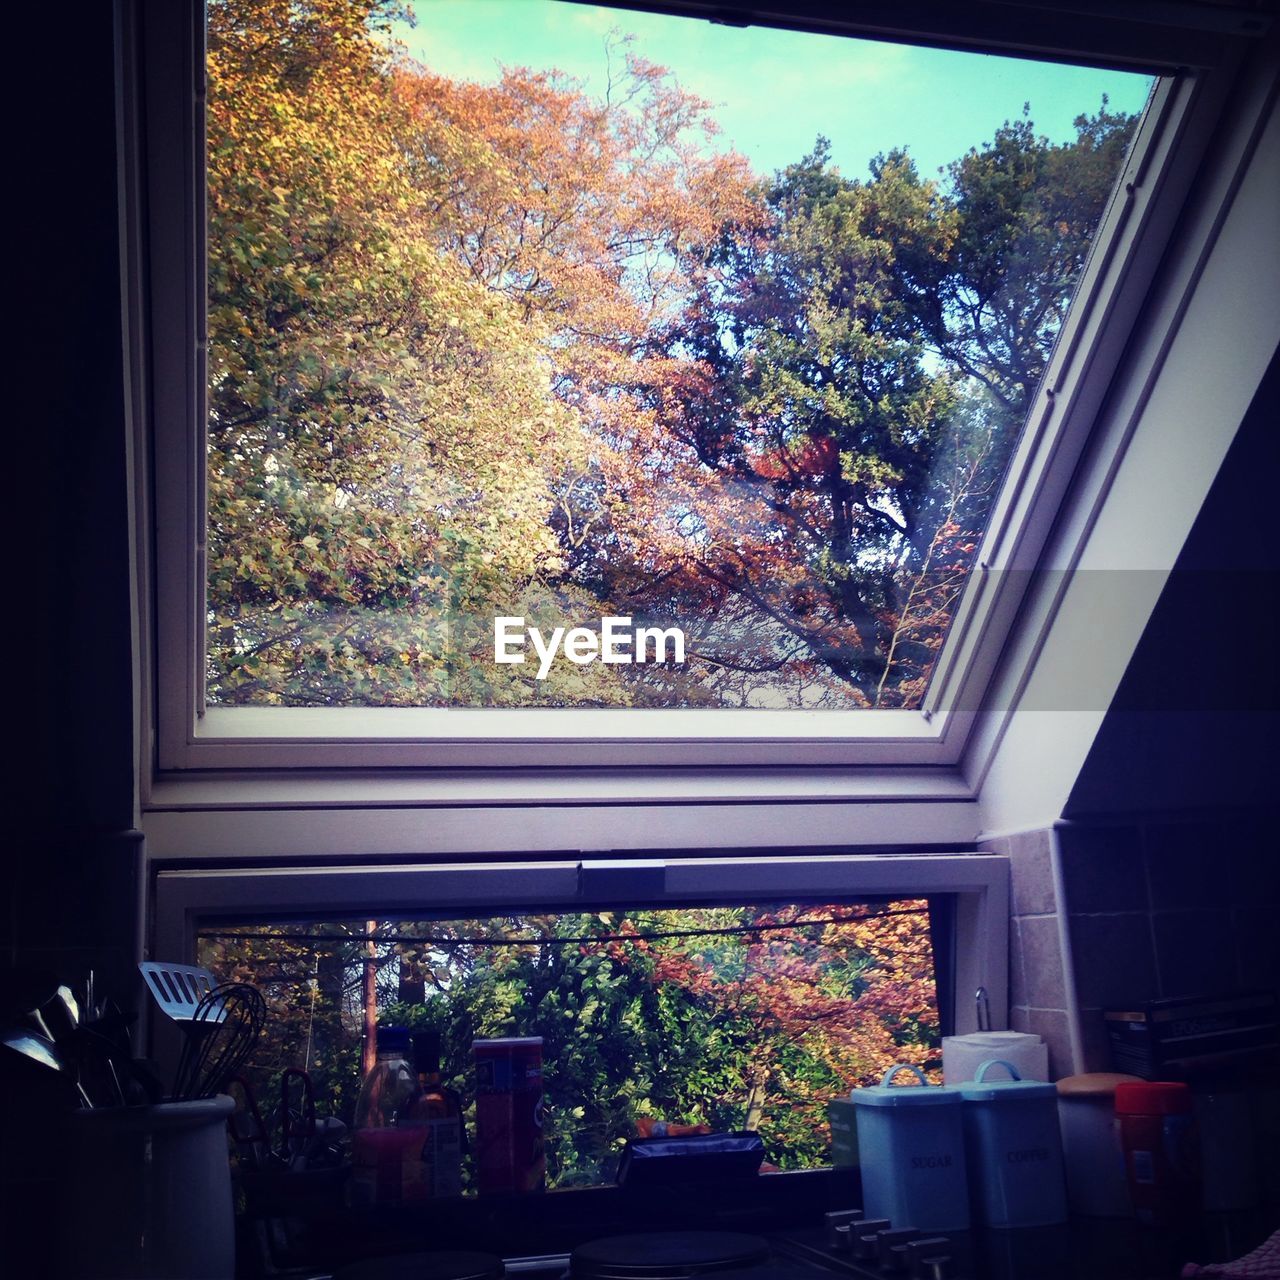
x=220, y=1037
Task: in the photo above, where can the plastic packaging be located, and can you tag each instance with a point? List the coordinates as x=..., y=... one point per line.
x=378, y=1144
x=699, y=1158
x=1014, y=1149
x=911, y=1147
x=1161, y=1150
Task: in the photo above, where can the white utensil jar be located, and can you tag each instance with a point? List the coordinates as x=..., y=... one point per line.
x=149, y=1193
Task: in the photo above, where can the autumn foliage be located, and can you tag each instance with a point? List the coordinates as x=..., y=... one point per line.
x=727, y=1017
x=514, y=349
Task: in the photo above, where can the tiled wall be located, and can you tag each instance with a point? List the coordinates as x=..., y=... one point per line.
x=1133, y=912
x=1038, y=1000
x=1164, y=909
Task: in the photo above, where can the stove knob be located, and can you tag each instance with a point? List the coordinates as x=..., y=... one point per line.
x=832, y=1224
x=940, y=1268
x=891, y=1248
x=930, y=1258
x=864, y=1237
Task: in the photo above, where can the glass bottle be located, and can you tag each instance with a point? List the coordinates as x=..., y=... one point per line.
x=377, y=1142
x=431, y=1119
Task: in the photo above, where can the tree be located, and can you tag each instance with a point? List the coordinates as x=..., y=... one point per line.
x=1025, y=213
x=380, y=431
x=481, y=350
x=867, y=349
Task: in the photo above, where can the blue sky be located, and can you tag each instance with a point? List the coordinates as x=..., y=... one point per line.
x=774, y=91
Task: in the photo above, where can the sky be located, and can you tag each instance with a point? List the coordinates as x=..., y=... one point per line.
x=775, y=91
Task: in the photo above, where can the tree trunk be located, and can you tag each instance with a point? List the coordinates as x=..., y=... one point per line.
x=369, y=1001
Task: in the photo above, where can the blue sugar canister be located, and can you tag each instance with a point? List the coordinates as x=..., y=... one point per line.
x=911, y=1145
x=1014, y=1149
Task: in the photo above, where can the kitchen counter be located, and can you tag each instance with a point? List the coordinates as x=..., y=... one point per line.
x=309, y=1236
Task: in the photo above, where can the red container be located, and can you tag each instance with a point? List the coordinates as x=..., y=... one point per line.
x=510, y=1156
x=1161, y=1151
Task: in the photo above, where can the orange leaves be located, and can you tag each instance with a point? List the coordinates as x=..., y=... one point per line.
x=813, y=458
x=857, y=993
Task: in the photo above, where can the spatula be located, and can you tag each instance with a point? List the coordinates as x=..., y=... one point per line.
x=179, y=988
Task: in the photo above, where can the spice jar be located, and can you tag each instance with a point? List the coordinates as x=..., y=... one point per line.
x=1161, y=1151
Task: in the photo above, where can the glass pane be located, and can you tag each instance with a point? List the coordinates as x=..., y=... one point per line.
x=566, y=356
x=732, y=1018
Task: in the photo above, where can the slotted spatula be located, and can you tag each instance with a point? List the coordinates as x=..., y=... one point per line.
x=179, y=988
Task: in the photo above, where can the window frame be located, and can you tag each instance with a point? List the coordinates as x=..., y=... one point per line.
x=977, y=885
x=163, y=224
x=184, y=897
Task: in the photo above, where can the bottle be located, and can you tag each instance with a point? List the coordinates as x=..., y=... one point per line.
x=1161, y=1151
x=431, y=1121
x=510, y=1148
x=377, y=1143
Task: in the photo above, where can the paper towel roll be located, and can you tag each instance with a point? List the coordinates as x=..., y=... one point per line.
x=962, y=1055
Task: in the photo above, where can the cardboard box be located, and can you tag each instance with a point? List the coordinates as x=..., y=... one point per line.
x=1182, y=1034
x=844, y=1134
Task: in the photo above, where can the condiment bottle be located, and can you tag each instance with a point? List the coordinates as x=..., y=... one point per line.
x=510, y=1152
x=377, y=1143
x=431, y=1121
x=1161, y=1151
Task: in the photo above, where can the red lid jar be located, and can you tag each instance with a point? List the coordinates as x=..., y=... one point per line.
x=1153, y=1098
x=1161, y=1150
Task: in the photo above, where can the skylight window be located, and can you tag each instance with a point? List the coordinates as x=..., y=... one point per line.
x=561, y=356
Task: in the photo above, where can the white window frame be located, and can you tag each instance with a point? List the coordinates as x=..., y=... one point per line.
x=184, y=898
x=909, y=755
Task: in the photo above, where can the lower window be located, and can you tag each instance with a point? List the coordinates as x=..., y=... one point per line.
x=738, y=1016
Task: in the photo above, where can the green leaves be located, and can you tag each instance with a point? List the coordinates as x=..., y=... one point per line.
x=480, y=350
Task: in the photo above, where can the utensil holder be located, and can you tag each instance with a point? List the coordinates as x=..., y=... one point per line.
x=149, y=1193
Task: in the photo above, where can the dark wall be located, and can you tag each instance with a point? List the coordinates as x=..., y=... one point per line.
x=68, y=878
x=1194, y=724
x=75, y=770
x=1169, y=859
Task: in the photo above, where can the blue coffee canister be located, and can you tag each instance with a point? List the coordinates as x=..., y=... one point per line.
x=911, y=1147
x=1014, y=1149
